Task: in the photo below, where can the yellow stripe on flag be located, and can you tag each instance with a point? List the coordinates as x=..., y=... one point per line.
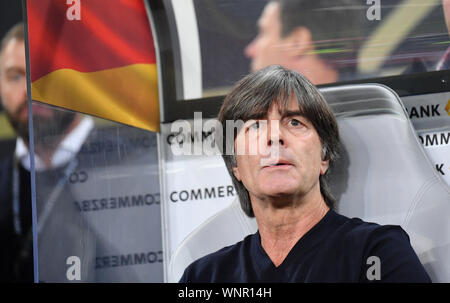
x=126, y=94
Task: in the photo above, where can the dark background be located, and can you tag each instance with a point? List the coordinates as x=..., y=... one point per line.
x=10, y=14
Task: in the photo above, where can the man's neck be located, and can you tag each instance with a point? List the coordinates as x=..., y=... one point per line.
x=315, y=69
x=281, y=228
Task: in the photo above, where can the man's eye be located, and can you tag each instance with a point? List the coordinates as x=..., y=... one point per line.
x=15, y=77
x=254, y=125
x=294, y=122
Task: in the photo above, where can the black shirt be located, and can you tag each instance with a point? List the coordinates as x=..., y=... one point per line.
x=336, y=249
x=23, y=257
x=16, y=251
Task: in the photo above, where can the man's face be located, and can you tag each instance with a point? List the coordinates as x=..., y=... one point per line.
x=268, y=47
x=294, y=164
x=13, y=93
x=13, y=90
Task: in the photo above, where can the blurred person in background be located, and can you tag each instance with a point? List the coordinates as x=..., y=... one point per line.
x=60, y=134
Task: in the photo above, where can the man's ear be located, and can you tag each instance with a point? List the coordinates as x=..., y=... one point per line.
x=236, y=173
x=324, y=166
x=299, y=41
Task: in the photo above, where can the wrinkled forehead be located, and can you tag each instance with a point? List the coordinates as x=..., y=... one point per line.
x=12, y=52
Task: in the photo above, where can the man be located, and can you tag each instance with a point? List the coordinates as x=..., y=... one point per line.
x=300, y=237
x=318, y=38
x=58, y=137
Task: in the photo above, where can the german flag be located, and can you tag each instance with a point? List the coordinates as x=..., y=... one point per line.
x=96, y=57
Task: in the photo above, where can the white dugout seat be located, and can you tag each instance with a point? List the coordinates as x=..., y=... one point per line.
x=383, y=176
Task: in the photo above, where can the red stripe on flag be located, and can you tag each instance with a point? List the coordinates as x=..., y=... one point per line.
x=110, y=34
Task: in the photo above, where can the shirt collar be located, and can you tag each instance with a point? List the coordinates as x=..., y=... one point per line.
x=315, y=235
x=65, y=151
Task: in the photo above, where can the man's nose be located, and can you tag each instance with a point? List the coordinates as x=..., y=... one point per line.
x=250, y=49
x=275, y=135
x=275, y=142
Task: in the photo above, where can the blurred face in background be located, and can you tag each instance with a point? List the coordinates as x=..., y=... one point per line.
x=13, y=85
x=268, y=47
x=49, y=122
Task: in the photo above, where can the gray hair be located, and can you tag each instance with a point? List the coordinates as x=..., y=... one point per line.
x=252, y=97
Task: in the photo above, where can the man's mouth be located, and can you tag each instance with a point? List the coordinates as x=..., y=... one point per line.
x=281, y=163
